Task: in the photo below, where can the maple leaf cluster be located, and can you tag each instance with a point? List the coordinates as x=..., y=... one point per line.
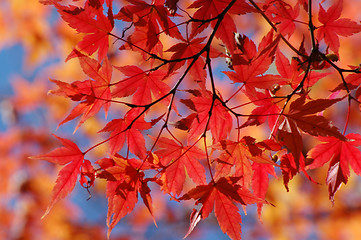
x=173, y=122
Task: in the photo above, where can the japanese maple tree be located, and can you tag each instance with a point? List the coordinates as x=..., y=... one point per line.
x=181, y=118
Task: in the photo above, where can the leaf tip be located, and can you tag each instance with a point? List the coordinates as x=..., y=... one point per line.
x=46, y=212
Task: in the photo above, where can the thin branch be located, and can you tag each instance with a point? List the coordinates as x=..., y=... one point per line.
x=299, y=87
x=276, y=30
x=310, y=24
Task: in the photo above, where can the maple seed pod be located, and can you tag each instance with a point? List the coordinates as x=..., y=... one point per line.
x=333, y=57
x=228, y=59
x=275, y=88
x=239, y=40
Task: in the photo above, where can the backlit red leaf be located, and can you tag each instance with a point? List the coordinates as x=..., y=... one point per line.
x=93, y=94
x=293, y=74
x=92, y=21
x=333, y=26
x=179, y=161
x=187, y=49
x=144, y=85
x=122, y=198
x=124, y=183
x=317, y=125
x=220, y=121
x=340, y=153
x=236, y=159
x=252, y=74
x=121, y=134
x=71, y=155
x=260, y=181
x=283, y=15
x=220, y=197
x=208, y=9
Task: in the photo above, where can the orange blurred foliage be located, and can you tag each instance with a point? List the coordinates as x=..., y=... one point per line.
x=30, y=116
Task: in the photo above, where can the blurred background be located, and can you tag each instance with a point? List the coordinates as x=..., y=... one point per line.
x=33, y=45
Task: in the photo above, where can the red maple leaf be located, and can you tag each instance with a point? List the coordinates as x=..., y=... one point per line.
x=93, y=94
x=208, y=9
x=186, y=49
x=334, y=26
x=303, y=114
x=142, y=84
x=266, y=108
x=149, y=15
x=290, y=168
x=352, y=80
x=73, y=159
x=142, y=39
x=260, y=181
x=283, y=14
x=251, y=71
x=245, y=52
x=221, y=195
x=293, y=73
x=178, y=159
x=340, y=153
x=236, y=159
x=125, y=179
x=92, y=21
x=150, y=18
x=302, y=117
x=122, y=130
x=289, y=135
x=122, y=198
x=215, y=115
